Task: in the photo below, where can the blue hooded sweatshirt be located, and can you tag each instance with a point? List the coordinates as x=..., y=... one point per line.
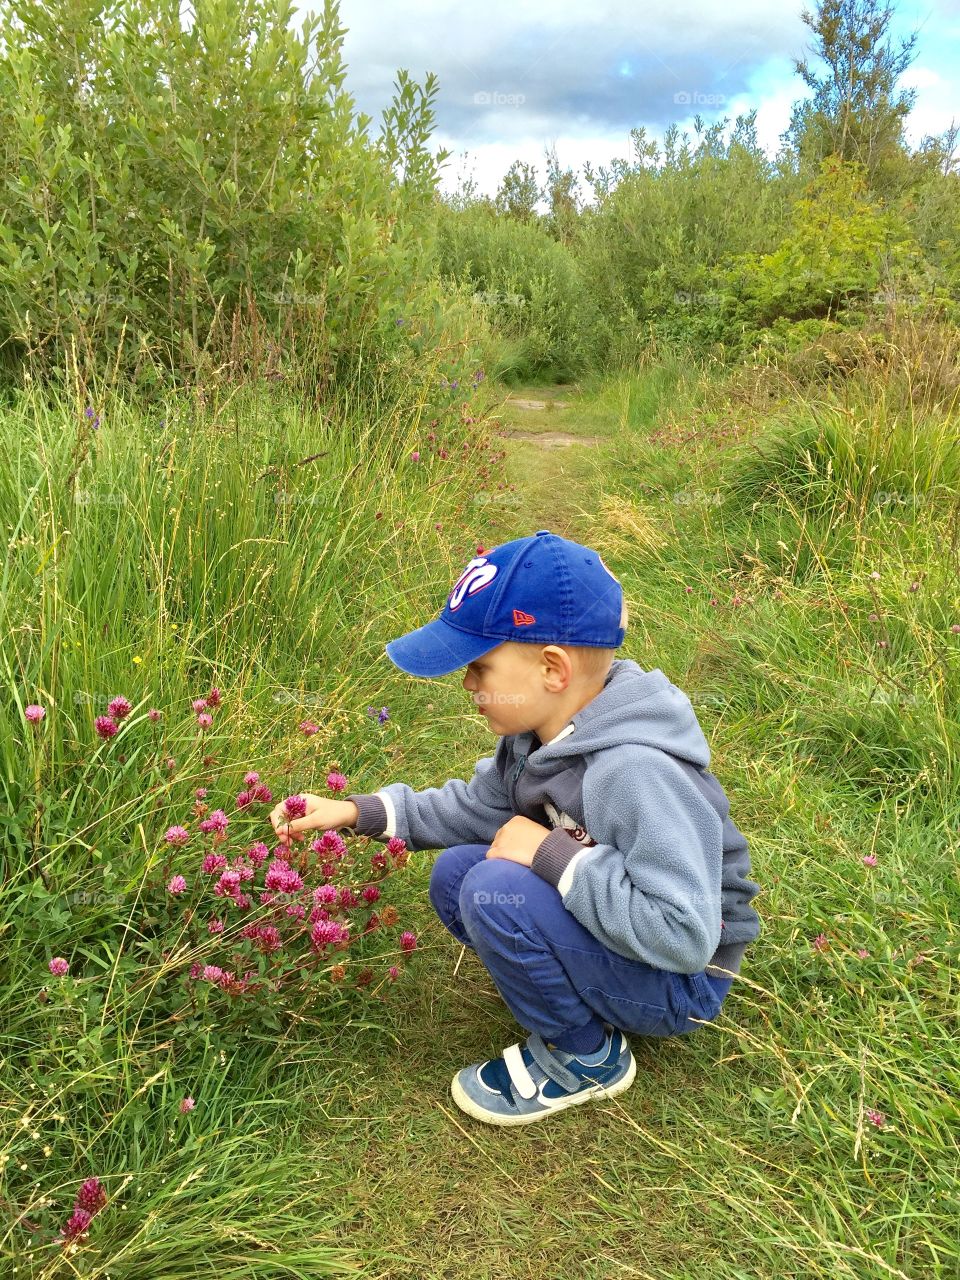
x=643, y=851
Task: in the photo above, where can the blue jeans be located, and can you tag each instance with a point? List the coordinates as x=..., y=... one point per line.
x=554, y=975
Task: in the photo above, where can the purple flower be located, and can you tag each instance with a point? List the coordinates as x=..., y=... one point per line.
x=869, y=860
x=186, y=1104
x=176, y=835
x=34, y=713
x=59, y=967
x=176, y=885
x=153, y=714
x=118, y=708
x=105, y=727
x=204, y=720
x=415, y=455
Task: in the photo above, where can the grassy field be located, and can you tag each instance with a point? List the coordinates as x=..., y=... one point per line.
x=790, y=561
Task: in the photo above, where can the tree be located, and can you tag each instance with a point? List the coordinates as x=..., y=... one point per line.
x=856, y=112
x=561, y=192
x=519, y=192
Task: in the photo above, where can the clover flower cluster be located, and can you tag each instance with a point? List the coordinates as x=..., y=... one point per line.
x=300, y=912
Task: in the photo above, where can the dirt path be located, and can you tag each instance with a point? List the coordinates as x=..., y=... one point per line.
x=554, y=458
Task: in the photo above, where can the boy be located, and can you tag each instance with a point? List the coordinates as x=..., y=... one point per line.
x=591, y=862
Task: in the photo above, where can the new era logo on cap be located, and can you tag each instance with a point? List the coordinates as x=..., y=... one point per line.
x=521, y=619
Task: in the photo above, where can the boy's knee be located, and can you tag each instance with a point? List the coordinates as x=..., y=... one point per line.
x=492, y=884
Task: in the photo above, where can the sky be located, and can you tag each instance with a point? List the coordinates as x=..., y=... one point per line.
x=517, y=78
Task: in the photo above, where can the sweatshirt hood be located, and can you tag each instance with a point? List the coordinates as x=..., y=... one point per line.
x=634, y=706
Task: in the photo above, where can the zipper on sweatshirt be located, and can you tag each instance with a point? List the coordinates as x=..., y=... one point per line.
x=518, y=768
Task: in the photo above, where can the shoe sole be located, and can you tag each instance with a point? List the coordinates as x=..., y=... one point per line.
x=596, y=1092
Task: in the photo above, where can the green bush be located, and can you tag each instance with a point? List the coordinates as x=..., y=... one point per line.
x=192, y=199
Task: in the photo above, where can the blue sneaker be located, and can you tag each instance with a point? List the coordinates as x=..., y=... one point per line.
x=526, y=1083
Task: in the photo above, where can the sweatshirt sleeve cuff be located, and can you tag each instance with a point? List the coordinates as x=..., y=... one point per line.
x=553, y=853
x=373, y=815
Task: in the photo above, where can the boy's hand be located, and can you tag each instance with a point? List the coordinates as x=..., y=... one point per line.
x=322, y=813
x=518, y=840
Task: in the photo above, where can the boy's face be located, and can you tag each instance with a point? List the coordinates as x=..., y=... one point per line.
x=506, y=685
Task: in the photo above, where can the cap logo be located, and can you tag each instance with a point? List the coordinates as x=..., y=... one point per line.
x=521, y=619
x=478, y=574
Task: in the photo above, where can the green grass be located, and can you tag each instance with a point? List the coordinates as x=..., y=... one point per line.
x=331, y=1146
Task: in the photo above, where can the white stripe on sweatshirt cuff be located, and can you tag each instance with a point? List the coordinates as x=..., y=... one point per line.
x=391, y=828
x=565, y=881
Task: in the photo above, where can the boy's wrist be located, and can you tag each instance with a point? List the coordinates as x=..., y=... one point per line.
x=553, y=853
x=371, y=815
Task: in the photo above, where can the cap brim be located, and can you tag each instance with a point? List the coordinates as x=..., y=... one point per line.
x=437, y=649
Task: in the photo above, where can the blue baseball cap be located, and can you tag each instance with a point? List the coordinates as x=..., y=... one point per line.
x=538, y=590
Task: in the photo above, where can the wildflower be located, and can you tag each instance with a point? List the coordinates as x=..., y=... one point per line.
x=137, y=660
x=324, y=893
x=308, y=728
x=875, y=1117
x=337, y=973
x=336, y=781
x=875, y=576
x=212, y=973
x=443, y=454
x=914, y=586
x=153, y=714
x=213, y=863
x=378, y=515
x=408, y=940
x=713, y=604
x=873, y=617
x=244, y=798
x=91, y=1197
x=378, y=861
x=215, y=925
x=251, y=779
x=176, y=835
x=869, y=860
x=331, y=842
x=372, y=923
x=218, y=821
x=118, y=708
x=170, y=763
x=326, y=931
x=393, y=973
x=199, y=704
x=955, y=628
x=820, y=942
x=105, y=727
x=370, y=893
x=195, y=971
x=294, y=807
x=201, y=793
x=415, y=455
x=396, y=846
x=59, y=967
x=258, y=853
x=204, y=720
x=186, y=1104
x=365, y=977
x=176, y=885
x=862, y=953
x=262, y=793
x=34, y=713
x=687, y=590
x=389, y=915
x=348, y=898
x=77, y=1224
x=438, y=526
x=213, y=697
